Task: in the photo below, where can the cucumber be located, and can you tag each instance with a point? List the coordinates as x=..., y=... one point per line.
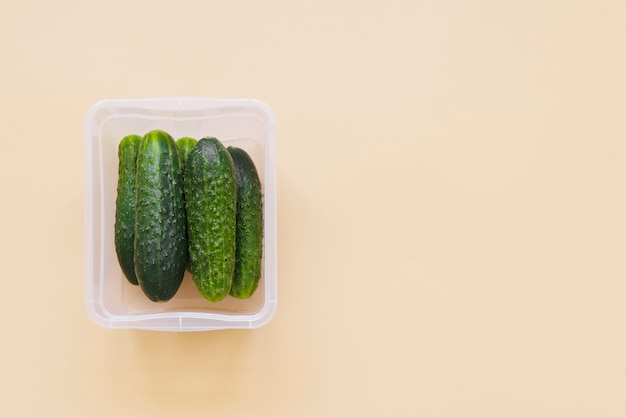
x=160, y=220
x=211, y=194
x=184, y=145
x=125, y=206
x=249, y=226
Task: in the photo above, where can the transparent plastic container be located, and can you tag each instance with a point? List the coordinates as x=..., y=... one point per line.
x=111, y=301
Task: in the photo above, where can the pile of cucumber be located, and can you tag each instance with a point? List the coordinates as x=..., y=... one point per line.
x=188, y=205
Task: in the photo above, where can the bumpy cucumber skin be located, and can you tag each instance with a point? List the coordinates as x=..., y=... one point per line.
x=211, y=194
x=185, y=145
x=249, y=229
x=125, y=206
x=160, y=222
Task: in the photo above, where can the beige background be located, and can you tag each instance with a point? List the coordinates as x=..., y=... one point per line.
x=452, y=229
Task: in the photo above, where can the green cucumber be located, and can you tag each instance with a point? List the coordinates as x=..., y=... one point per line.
x=184, y=145
x=211, y=197
x=249, y=230
x=160, y=220
x=125, y=206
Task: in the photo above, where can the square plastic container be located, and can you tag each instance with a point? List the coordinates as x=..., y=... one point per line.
x=111, y=301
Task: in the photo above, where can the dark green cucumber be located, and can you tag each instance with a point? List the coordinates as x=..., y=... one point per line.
x=184, y=145
x=125, y=206
x=160, y=221
x=211, y=197
x=249, y=230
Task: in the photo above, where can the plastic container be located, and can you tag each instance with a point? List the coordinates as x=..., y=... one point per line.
x=110, y=300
